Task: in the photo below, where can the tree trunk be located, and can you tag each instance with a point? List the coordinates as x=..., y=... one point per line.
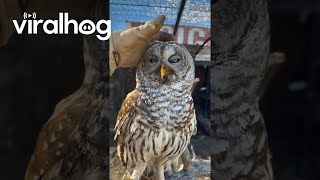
x=240, y=38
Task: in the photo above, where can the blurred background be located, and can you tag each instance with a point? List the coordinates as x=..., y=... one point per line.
x=37, y=71
x=291, y=104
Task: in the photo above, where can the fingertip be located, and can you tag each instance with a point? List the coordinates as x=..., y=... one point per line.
x=159, y=20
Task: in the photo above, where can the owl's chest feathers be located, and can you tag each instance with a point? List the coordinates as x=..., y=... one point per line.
x=165, y=108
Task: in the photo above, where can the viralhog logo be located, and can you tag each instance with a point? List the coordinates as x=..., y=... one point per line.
x=61, y=26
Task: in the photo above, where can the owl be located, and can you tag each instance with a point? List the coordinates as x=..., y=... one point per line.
x=239, y=59
x=157, y=119
x=72, y=144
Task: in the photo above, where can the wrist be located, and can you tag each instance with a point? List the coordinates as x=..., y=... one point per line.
x=114, y=56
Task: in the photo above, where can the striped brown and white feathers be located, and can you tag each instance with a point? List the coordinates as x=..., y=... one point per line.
x=240, y=53
x=157, y=119
x=73, y=143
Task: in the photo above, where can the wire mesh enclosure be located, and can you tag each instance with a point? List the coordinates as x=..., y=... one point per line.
x=193, y=27
x=195, y=13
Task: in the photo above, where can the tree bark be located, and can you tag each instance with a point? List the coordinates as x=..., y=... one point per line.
x=240, y=38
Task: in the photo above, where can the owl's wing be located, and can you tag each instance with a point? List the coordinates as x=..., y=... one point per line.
x=124, y=121
x=55, y=139
x=127, y=109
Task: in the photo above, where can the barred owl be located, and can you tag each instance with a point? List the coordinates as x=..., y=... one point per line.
x=239, y=60
x=157, y=119
x=72, y=144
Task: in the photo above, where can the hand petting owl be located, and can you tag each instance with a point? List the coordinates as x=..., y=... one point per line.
x=157, y=119
x=128, y=46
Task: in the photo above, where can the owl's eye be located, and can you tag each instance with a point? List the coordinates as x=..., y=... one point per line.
x=174, y=60
x=153, y=60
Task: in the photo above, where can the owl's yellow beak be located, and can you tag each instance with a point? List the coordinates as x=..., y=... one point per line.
x=163, y=71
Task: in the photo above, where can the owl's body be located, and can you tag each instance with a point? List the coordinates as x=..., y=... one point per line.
x=157, y=119
x=239, y=57
x=72, y=144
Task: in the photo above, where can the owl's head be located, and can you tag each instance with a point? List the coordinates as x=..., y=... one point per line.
x=166, y=63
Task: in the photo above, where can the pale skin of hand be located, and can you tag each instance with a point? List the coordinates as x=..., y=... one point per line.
x=127, y=47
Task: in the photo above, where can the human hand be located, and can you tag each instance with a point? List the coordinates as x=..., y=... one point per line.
x=128, y=46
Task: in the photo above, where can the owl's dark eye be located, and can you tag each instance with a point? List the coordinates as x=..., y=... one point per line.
x=174, y=60
x=153, y=60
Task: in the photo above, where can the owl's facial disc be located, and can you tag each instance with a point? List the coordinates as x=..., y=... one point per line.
x=165, y=63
